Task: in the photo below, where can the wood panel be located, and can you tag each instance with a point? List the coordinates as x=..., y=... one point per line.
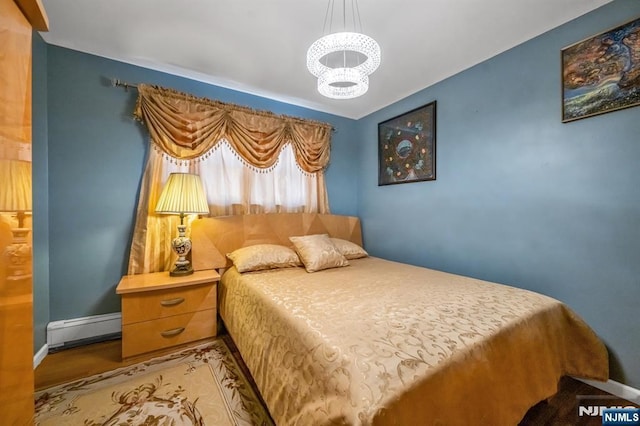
x=162, y=280
x=213, y=238
x=149, y=336
x=144, y=306
x=35, y=14
x=16, y=283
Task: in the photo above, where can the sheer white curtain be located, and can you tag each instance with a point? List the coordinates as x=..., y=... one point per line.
x=232, y=187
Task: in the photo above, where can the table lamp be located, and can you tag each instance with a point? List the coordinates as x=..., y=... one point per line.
x=15, y=199
x=182, y=194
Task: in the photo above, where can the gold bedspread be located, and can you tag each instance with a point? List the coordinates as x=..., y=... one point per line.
x=380, y=343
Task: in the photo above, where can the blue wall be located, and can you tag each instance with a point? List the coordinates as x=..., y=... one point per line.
x=40, y=194
x=96, y=157
x=521, y=198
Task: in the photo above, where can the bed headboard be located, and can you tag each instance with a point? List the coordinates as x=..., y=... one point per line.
x=212, y=238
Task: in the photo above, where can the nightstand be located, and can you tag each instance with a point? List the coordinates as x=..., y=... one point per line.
x=160, y=311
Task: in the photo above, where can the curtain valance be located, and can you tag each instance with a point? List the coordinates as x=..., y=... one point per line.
x=186, y=127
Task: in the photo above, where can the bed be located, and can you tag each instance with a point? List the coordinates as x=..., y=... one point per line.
x=384, y=343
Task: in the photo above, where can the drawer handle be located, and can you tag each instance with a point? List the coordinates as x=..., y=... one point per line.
x=173, y=332
x=172, y=302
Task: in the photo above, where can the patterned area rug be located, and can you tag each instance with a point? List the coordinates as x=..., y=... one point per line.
x=198, y=386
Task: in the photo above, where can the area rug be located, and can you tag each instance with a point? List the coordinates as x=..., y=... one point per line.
x=199, y=386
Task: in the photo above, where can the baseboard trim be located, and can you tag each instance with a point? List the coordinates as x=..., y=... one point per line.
x=60, y=333
x=615, y=388
x=40, y=355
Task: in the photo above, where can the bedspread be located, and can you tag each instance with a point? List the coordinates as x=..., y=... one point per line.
x=379, y=342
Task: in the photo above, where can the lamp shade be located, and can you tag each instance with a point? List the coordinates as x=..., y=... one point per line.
x=183, y=193
x=15, y=176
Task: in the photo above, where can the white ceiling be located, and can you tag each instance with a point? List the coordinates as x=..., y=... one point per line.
x=260, y=47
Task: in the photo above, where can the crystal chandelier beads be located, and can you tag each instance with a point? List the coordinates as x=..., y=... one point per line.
x=343, y=83
x=358, y=54
x=341, y=42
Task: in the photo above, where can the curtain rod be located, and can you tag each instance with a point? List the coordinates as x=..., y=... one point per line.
x=116, y=82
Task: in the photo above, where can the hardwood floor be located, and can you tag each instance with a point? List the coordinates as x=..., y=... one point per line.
x=71, y=364
x=75, y=363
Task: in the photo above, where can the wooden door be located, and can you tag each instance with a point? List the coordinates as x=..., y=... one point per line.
x=16, y=283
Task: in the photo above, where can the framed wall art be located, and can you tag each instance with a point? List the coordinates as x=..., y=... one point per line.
x=407, y=147
x=602, y=73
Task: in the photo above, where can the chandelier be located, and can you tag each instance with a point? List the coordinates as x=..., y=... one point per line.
x=343, y=61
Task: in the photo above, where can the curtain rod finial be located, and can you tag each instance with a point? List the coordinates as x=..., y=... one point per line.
x=117, y=82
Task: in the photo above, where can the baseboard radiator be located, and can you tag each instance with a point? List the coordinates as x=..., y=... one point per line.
x=83, y=330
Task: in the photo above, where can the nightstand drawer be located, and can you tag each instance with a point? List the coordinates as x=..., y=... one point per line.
x=149, y=336
x=144, y=306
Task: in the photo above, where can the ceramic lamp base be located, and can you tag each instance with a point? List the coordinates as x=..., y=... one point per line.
x=181, y=246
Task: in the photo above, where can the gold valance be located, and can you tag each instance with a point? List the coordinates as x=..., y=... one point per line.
x=186, y=127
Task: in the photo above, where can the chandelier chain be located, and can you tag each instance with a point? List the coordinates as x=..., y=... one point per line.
x=326, y=18
x=354, y=13
x=357, y=13
x=344, y=15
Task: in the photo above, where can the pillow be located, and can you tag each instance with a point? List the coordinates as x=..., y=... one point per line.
x=348, y=249
x=263, y=256
x=317, y=252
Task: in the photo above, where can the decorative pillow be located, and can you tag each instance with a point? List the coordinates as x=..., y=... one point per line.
x=263, y=256
x=317, y=252
x=348, y=249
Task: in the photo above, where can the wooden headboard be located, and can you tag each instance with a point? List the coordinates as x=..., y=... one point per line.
x=212, y=238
